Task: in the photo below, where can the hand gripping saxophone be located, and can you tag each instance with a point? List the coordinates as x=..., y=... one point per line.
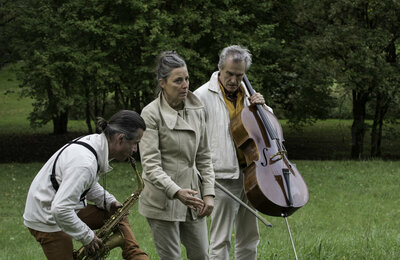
x=109, y=233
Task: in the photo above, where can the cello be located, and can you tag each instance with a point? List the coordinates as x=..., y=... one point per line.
x=272, y=184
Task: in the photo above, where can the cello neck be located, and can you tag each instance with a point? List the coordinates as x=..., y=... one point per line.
x=248, y=85
x=260, y=111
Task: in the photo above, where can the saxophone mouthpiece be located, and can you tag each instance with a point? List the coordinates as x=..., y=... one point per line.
x=132, y=159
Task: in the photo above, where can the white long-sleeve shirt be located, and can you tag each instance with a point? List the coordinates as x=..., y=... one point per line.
x=76, y=171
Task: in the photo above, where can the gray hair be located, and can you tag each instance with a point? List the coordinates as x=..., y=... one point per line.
x=125, y=122
x=166, y=62
x=238, y=53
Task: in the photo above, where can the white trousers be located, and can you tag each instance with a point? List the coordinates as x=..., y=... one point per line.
x=168, y=236
x=227, y=214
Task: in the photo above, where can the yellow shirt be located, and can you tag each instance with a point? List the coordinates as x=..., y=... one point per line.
x=234, y=111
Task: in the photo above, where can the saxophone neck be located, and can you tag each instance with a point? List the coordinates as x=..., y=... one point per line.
x=138, y=175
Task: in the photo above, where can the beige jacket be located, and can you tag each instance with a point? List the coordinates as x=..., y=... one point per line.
x=175, y=155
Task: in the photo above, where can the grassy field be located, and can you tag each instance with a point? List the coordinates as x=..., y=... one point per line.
x=352, y=213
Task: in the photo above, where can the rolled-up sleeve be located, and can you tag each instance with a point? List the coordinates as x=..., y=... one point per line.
x=97, y=194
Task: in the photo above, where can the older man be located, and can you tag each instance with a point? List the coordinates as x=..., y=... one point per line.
x=224, y=97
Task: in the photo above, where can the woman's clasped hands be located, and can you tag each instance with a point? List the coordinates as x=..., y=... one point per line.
x=203, y=207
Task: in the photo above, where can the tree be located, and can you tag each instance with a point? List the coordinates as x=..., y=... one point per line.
x=49, y=70
x=388, y=88
x=8, y=16
x=350, y=41
x=77, y=54
x=299, y=82
x=85, y=59
x=80, y=54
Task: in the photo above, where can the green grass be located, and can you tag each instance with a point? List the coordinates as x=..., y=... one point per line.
x=14, y=109
x=352, y=213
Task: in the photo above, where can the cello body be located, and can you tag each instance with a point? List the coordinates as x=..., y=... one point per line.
x=272, y=184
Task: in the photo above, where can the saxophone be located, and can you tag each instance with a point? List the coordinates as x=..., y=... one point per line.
x=109, y=233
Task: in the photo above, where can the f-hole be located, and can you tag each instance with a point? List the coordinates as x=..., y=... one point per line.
x=264, y=164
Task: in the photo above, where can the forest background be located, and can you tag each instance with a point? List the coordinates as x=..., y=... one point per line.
x=312, y=60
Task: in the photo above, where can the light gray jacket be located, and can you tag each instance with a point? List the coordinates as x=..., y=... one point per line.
x=175, y=154
x=223, y=151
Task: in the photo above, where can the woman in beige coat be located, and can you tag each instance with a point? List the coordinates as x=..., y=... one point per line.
x=177, y=167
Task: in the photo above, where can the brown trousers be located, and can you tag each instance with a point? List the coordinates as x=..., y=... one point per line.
x=58, y=245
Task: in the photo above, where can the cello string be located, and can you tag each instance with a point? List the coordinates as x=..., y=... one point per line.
x=290, y=235
x=260, y=110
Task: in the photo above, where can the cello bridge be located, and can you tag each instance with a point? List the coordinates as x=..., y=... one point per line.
x=276, y=157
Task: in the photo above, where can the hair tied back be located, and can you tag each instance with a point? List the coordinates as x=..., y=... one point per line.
x=102, y=123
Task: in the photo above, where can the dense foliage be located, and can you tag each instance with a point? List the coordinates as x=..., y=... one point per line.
x=84, y=59
x=355, y=43
x=79, y=56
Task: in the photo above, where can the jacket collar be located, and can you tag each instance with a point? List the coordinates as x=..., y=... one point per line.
x=103, y=161
x=214, y=83
x=100, y=144
x=170, y=115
